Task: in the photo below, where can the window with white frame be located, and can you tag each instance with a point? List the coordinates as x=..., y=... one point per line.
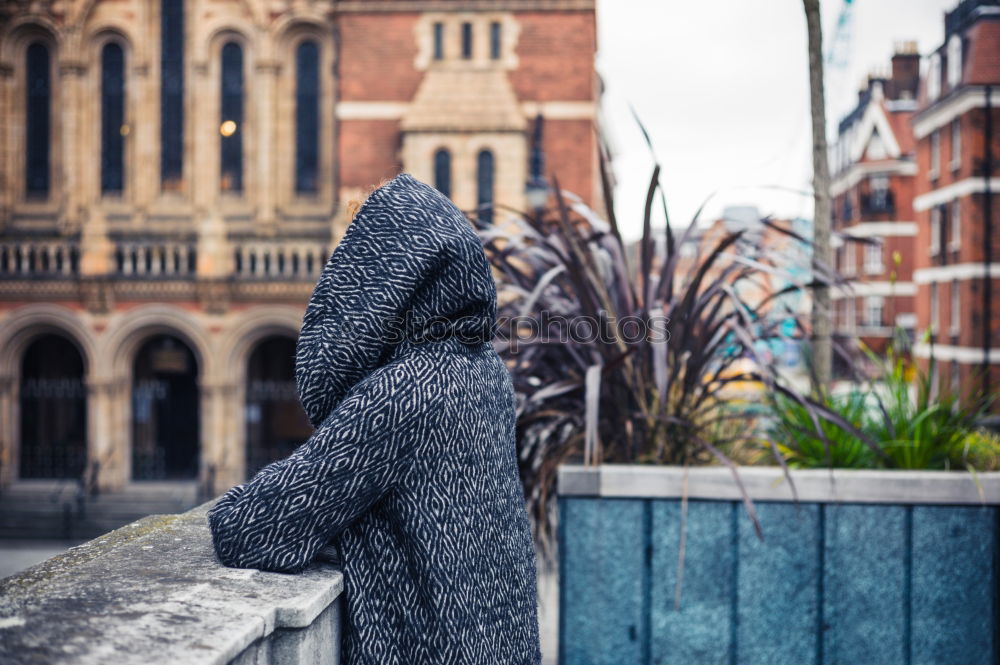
x=955, y=315
x=850, y=318
x=849, y=263
x=873, y=258
x=956, y=144
x=935, y=166
x=954, y=61
x=935, y=245
x=935, y=308
x=874, y=306
x=934, y=77
x=955, y=235
x=879, y=200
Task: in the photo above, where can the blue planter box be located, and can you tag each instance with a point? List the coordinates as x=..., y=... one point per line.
x=869, y=567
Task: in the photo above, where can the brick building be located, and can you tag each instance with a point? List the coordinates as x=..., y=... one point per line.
x=958, y=241
x=173, y=176
x=872, y=189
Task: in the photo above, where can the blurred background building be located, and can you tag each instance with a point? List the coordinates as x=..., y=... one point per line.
x=874, y=167
x=914, y=169
x=174, y=177
x=956, y=255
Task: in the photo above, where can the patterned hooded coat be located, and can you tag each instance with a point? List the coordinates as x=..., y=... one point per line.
x=412, y=468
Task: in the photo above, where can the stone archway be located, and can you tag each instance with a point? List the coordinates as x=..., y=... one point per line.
x=19, y=330
x=52, y=410
x=274, y=420
x=166, y=414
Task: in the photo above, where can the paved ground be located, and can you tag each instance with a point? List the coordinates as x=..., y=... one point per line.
x=548, y=612
x=16, y=555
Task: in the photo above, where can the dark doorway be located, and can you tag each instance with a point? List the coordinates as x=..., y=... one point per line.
x=276, y=424
x=53, y=407
x=165, y=413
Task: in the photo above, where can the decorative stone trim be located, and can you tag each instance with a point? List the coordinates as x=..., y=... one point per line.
x=368, y=7
x=770, y=484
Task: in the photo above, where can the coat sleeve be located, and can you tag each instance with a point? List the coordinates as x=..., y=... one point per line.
x=281, y=517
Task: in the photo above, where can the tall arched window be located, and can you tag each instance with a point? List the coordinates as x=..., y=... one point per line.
x=171, y=93
x=466, y=40
x=38, y=104
x=495, y=40
x=112, y=119
x=484, y=186
x=307, y=137
x=231, y=119
x=438, y=40
x=442, y=171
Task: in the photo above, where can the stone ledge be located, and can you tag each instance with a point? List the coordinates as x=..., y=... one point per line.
x=770, y=484
x=153, y=592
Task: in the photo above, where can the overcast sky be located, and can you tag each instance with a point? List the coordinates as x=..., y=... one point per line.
x=723, y=88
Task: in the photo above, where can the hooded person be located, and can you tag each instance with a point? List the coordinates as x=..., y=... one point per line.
x=412, y=469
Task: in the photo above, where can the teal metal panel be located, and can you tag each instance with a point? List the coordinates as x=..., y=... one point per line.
x=953, y=585
x=603, y=581
x=831, y=583
x=700, y=630
x=865, y=584
x=778, y=586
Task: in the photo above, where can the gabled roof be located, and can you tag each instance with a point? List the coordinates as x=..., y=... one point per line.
x=874, y=119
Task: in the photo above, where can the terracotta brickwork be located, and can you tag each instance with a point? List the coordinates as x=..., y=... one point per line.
x=936, y=148
x=958, y=248
x=872, y=208
x=555, y=56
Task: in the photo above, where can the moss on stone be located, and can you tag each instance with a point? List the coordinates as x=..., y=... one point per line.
x=75, y=556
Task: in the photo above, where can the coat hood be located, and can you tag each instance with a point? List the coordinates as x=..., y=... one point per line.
x=409, y=270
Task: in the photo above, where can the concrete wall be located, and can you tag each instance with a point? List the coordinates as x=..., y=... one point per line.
x=845, y=578
x=153, y=592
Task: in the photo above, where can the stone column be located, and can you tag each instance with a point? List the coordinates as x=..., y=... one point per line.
x=265, y=86
x=220, y=461
x=7, y=174
x=71, y=165
x=214, y=254
x=142, y=142
x=203, y=128
x=8, y=430
x=111, y=429
x=96, y=248
x=214, y=251
x=106, y=443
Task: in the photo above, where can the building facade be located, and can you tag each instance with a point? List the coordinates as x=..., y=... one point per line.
x=957, y=250
x=175, y=174
x=874, y=168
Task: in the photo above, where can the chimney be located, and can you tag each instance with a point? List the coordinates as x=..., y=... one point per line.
x=905, y=71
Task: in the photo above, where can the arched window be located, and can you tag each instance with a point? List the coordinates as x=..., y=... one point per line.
x=171, y=93
x=275, y=422
x=307, y=118
x=484, y=186
x=37, y=109
x=165, y=410
x=442, y=171
x=466, y=40
x=438, y=40
x=495, y=40
x=53, y=410
x=231, y=119
x=112, y=119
